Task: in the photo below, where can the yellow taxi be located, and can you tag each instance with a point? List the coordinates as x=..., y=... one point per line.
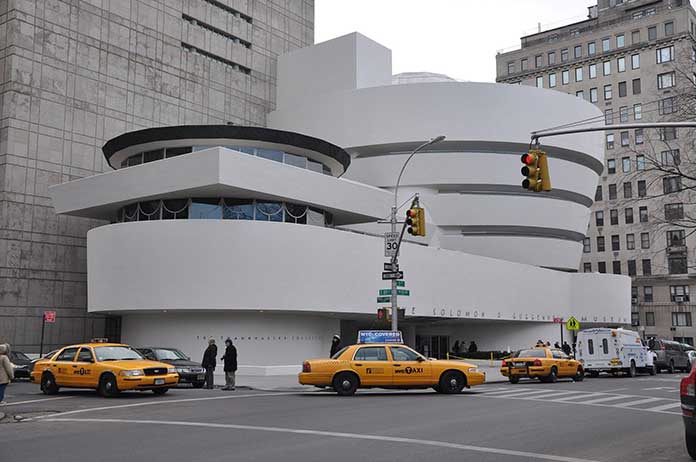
x=108, y=368
x=388, y=365
x=545, y=364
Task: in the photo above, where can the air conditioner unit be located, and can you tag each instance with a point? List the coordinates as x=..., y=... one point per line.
x=679, y=298
x=634, y=300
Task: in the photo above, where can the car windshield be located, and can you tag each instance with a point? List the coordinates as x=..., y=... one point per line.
x=169, y=354
x=21, y=356
x=116, y=353
x=530, y=354
x=339, y=353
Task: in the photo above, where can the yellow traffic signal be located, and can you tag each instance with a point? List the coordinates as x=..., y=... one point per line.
x=415, y=219
x=536, y=171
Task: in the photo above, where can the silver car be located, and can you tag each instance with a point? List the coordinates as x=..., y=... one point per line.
x=669, y=355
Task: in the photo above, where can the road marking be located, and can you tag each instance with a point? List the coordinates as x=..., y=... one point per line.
x=36, y=401
x=552, y=395
x=637, y=402
x=357, y=436
x=608, y=398
x=165, y=401
x=568, y=398
x=662, y=389
x=664, y=407
x=522, y=393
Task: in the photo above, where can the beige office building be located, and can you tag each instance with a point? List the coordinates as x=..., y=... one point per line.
x=633, y=59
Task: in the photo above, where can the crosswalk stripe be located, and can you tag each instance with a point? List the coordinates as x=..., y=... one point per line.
x=512, y=392
x=637, y=402
x=601, y=400
x=552, y=395
x=569, y=398
x=524, y=394
x=664, y=407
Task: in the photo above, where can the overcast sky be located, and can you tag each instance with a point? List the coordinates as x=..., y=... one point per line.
x=454, y=37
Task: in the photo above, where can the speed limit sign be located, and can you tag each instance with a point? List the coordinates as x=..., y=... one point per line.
x=391, y=242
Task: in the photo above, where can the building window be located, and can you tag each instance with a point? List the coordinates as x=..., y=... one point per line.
x=650, y=315
x=668, y=133
x=601, y=267
x=679, y=294
x=577, y=51
x=608, y=117
x=639, y=140
x=586, y=245
x=599, y=218
x=610, y=141
x=635, y=61
x=524, y=64
x=598, y=193
x=591, y=48
x=552, y=80
x=623, y=114
x=681, y=319
x=612, y=192
x=628, y=216
x=647, y=271
x=606, y=44
x=636, y=86
x=622, y=89
x=635, y=37
x=631, y=267
x=642, y=190
x=665, y=80
x=635, y=318
x=667, y=105
x=637, y=111
x=592, y=69
x=676, y=263
x=564, y=55
x=643, y=214
x=620, y=41
x=670, y=158
x=665, y=54
x=630, y=241
x=587, y=267
x=615, y=244
x=540, y=82
x=616, y=267
x=621, y=64
x=611, y=164
x=644, y=240
x=652, y=33
x=593, y=95
x=578, y=74
x=551, y=57
x=625, y=162
x=628, y=190
x=606, y=67
x=614, y=217
x=671, y=184
x=676, y=238
x=580, y=94
x=669, y=28
x=674, y=211
x=600, y=244
x=565, y=77
x=538, y=61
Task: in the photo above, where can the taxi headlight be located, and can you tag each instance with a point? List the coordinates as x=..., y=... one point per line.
x=172, y=370
x=473, y=369
x=132, y=373
x=181, y=370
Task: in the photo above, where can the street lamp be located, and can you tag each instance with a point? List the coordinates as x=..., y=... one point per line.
x=395, y=258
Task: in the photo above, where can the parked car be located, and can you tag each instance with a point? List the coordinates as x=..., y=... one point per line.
x=20, y=364
x=669, y=355
x=189, y=371
x=692, y=356
x=687, y=394
x=604, y=349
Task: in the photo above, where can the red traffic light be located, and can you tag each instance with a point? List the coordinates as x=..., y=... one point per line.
x=526, y=159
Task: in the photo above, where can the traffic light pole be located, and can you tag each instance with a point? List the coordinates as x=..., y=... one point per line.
x=568, y=131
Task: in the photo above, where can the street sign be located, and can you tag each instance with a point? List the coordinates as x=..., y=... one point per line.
x=383, y=299
x=391, y=266
x=391, y=242
x=50, y=316
x=393, y=275
x=400, y=283
x=385, y=291
x=573, y=324
x=403, y=292
x=557, y=320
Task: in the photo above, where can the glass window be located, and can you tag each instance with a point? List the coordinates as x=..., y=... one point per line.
x=671, y=184
x=598, y=193
x=205, y=209
x=644, y=240
x=666, y=80
x=608, y=116
x=667, y=105
x=674, y=211
x=551, y=57
x=593, y=95
x=623, y=114
x=647, y=271
x=270, y=154
x=606, y=67
x=610, y=141
x=601, y=245
x=626, y=164
x=536, y=353
x=540, y=82
x=669, y=28
x=592, y=68
x=679, y=293
x=67, y=354
x=635, y=61
x=637, y=111
x=622, y=89
x=135, y=160
x=149, y=210
x=371, y=354
x=607, y=92
x=628, y=215
x=564, y=55
x=650, y=315
x=615, y=243
x=642, y=189
x=614, y=217
x=587, y=267
x=269, y=211
x=578, y=74
x=599, y=218
x=606, y=44
x=591, y=48
x=652, y=33
x=621, y=64
x=676, y=264
x=524, y=64
x=590, y=346
x=630, y=240
x=676, y=238
x=643, y=214
x=616, y=267
x=612, y=192
x=624, y=139
x=640, y=140
x=297, y=161
x=636, y=86
x=151, y=156
x=635, y=318
x=586, y=245
x=296, y=213
x=552, y=80
x=577, y=51
x=601, y=267
x=565, y=77
x=538, y=61
x=605, y=346
x=668, y=134
x=173, y=152
x=665, y=54
x=315, y=217
x=174, y=209
x=238, y=209
x=620, y=41
x=635, y=37
x=404, y=354
x=85, y=355
x=628, y=190
x=681, y=319
x=670, y=158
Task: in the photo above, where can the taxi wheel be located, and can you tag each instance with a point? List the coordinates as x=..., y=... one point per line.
x=579, y=375
x=48, y=384
x=452, y=382
x=346, y=383
x=108, y=386
x=553, y=375
x=513, y=380
x=160, y=391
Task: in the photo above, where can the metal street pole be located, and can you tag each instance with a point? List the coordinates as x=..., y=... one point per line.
x=395, y=258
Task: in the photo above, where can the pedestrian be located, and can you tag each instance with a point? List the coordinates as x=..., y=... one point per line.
x=566, y=348
x=230, y=360
x=209, y=360
x=335, y=345
x=548, y=344
x=473, y=348
x=539, y=343
x=455, y=348
x=6, y=371
x=556, y=345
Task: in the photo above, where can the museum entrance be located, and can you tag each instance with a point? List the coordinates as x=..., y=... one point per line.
x=433, y=346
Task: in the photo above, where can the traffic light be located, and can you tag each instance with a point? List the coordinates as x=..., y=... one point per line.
x=536, y=171
x=415, y=219
x=384, y=314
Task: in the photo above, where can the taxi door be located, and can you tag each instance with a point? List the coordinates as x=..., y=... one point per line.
x=372, y=365
x=408, y=370
x=84, y=370
x=563, y=362
x=62, y=366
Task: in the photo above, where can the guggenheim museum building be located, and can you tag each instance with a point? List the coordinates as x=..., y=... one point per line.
x=273, y=236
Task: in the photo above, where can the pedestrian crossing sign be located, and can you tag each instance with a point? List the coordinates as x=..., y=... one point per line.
x=572, y=324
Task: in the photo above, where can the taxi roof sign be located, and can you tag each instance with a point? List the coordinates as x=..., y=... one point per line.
x=380, y=336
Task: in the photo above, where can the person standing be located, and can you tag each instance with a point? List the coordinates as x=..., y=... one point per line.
x=230, y=360
x=6, y=371
x=335, y=345
x=566, y=348
x=473, y=348
x=209, y=358
x=455, y=348
x=556, y=345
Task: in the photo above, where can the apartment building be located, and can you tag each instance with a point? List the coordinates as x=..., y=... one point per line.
x=632, y=59
x=76, y=73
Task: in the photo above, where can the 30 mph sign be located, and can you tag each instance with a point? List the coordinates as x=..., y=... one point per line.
x=391, y=242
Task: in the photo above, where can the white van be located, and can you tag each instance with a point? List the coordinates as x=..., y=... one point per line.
x=604, y=349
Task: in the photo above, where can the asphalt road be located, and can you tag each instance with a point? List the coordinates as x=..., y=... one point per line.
x=603, y=419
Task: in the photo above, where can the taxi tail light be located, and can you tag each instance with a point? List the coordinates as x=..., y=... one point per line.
x=505, y=364
x=306, y=367
x=537, y=362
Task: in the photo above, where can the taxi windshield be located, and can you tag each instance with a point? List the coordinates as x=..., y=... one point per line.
x=169, y=354
x=116, y=353
x=540, y=353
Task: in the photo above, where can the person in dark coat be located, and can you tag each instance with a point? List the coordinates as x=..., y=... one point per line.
x=473, y=348
x=455, y=348
x=209, y=359
x=556, y=345
x=567, y=349
x=230, y=360
x=335, y=345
